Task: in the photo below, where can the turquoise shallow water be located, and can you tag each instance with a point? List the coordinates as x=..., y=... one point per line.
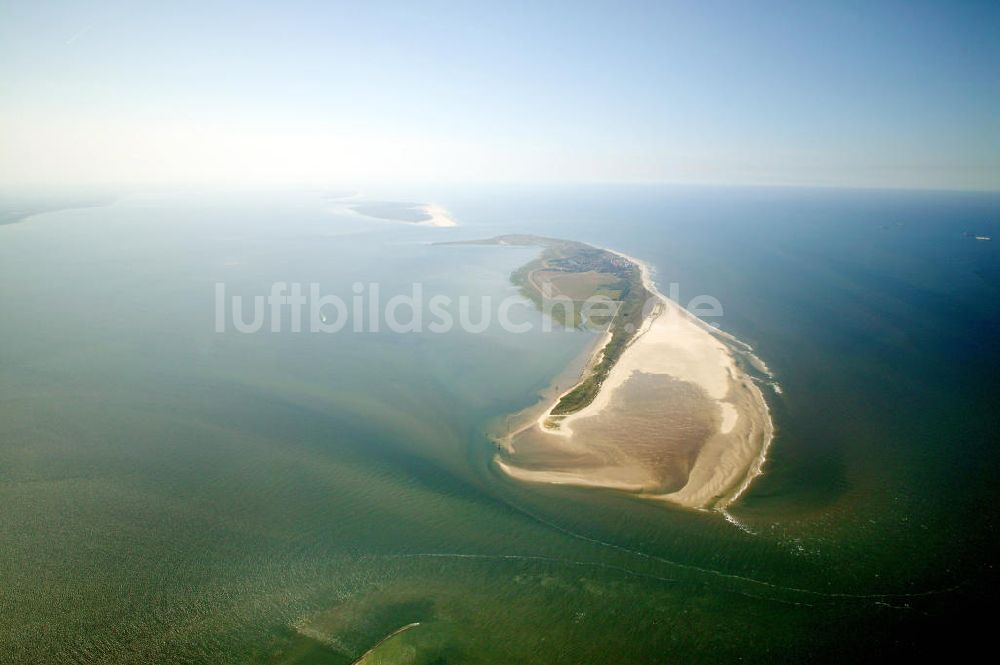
x=173, y=494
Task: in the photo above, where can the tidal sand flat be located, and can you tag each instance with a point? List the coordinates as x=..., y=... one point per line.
x=662, y=408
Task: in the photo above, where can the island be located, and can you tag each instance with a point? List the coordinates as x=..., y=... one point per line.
x=664, y=406
x=423, y=214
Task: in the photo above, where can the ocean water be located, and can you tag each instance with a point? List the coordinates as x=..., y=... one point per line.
x=169, y=493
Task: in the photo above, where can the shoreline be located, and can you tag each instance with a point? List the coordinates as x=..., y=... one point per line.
x=727, y=463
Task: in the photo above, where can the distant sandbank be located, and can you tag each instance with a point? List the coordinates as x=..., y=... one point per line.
x=419, y=214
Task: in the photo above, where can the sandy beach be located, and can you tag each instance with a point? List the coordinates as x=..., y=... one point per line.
x=676, y=419
x=439, y=217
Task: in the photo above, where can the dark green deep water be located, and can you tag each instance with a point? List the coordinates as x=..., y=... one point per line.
x=170, y=494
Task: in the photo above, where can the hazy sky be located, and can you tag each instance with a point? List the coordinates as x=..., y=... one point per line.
x=840, y=93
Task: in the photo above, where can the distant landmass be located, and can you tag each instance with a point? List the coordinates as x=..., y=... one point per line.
x=410, y=213
x=19, y=209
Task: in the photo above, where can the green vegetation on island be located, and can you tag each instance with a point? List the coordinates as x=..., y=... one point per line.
x=561, y=282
